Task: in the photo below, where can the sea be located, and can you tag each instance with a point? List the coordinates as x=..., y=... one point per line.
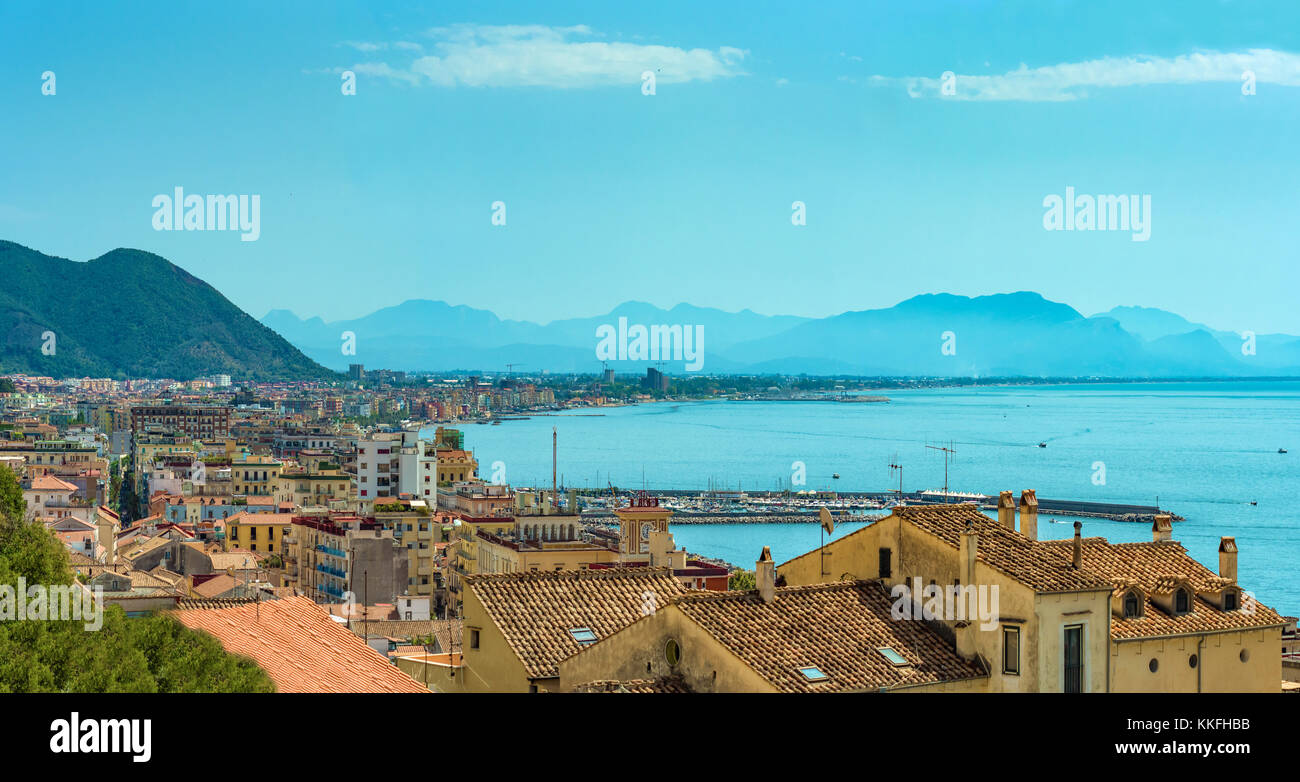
x=1207, y=451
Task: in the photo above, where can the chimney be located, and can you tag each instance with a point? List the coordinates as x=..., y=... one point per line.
x=1006, y=510
x=969, y=548
x=1228, y=558
x=1029, y=514
x=765, y=576
x=1163, y=528
x=1078, y=545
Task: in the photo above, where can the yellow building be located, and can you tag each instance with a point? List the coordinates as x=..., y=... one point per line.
x=518, y=627
x=1075, y=615
x=838, y=637
x=455, y=466
x=305, y=488
x=259, y=476
x=426, y=536
x=261, y=532
x=462, y=558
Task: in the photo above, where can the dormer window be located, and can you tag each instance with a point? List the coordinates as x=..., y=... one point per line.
x=1132, y=606
x=1182, y=601
x=1231, y=601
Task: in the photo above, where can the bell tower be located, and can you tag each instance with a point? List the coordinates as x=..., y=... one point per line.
x=637, y=521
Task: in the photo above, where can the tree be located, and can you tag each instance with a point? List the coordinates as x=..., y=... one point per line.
x=155, y=653
x=741, y=580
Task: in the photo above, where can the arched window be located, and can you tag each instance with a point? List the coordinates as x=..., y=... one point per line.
x=1132, y=606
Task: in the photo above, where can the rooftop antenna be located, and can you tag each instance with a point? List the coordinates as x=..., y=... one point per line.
x=948, y=451
x=894, y=465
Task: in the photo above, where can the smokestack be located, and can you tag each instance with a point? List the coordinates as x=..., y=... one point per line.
x=1228, y=558
x=969, y=549
x=1078, y=545
x=1163, y=528
x=1029, y=514
x=1006, y=510
x=765, y=576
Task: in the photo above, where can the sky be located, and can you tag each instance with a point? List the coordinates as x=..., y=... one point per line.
x=912, y=182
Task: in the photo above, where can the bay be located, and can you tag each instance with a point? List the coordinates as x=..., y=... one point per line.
x=1207, y=450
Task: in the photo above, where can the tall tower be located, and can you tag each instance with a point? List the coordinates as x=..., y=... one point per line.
x=636, y=521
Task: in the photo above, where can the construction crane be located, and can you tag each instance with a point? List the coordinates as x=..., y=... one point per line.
x=510, y=368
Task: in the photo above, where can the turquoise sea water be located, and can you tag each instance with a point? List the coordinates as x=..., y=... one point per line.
x=1206, y=449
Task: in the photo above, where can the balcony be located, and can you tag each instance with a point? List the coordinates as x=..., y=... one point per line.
x=333, y=552
x=333, y=571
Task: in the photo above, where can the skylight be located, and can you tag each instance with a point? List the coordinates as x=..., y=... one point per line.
x=582, y=635
x=892, y=656
x=813, y=674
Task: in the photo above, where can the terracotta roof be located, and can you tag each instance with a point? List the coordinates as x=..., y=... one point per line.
x=300, y=647
x=536, y=611
x=998, y=547
x=837, y=628
x=215, y=587
x=673, y=684
x=193, y=603
x=1002, y=548
x=447, y=630
x=50, y=483
x=1156, y=567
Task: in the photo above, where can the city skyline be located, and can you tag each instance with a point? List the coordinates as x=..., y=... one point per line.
x=685, y=195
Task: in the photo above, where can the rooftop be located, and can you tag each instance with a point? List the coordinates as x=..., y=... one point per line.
x=299, y=646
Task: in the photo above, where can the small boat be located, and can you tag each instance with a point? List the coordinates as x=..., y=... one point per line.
x=1253, y=502
x=1281, y=450
x=1042, y=445
x=836, y=476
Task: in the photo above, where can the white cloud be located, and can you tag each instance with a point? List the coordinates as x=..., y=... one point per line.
x=1072, y=81
x=471, y=55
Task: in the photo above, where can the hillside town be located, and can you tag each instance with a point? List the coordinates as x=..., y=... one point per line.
x=343, y=553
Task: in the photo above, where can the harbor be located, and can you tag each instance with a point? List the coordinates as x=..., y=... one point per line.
x=771, y=507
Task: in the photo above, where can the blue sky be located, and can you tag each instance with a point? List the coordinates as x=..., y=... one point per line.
x=685, y=195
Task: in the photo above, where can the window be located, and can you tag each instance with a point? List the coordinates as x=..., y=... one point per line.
x=1182, y=602
x=885, y=569
x=1073, y=658
x=473, y=639
x=892, y=656
x=1230, y=601
x=672, y=653
x=1011, y=650
x=1154, y=665
x=583, y=635
x=1132, y=606
x=813, y=674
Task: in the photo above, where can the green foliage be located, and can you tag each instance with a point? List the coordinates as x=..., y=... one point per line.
x=12, y=504
x=7, y=386
x=741, y=580
x=156, y=320
x=154, y=653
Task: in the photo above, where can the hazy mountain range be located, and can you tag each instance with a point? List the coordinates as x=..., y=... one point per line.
x=130, y=313
x=1012, y=334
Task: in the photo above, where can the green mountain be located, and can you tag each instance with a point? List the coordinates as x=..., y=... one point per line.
x=130, y=313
